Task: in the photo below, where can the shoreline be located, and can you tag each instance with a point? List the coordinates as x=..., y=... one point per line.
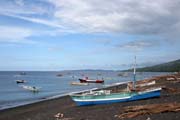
x=58, y=96
x=45, y=110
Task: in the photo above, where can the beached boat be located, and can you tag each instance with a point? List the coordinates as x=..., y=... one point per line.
x=30, y=88
x=78, y=83
x=106, y=97
x=20, y=81
x=86, y=80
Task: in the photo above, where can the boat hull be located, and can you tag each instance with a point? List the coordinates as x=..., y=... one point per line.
x=91, y=81
x=20, y=81
x=107, y=99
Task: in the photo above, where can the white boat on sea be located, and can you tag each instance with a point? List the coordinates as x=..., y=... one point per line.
x=31, y=88
x=78, y=83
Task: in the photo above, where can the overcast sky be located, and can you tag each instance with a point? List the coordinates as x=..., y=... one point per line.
x=87, y=34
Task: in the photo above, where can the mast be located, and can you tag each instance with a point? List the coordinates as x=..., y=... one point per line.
x=134, y=80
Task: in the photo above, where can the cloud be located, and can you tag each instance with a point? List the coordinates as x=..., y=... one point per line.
x=25, y=7
x=137, y=16
x=159, y=18
x=36, y=20
x=138, y=45
x=14, y=34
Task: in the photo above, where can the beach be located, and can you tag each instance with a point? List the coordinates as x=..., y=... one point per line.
x=46, y=110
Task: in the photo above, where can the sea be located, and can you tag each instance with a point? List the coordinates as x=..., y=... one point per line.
x=52, y=86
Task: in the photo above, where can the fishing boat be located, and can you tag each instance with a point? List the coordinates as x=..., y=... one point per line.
x=106, y=96
x=78, y=83
x=30, y=88
x=20, y=81
x=87, y=80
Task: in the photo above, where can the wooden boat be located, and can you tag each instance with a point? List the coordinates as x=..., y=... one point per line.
x=31, y=88
x=106, y=97
x=20, y=81
x=78, y=83
x=86, y=80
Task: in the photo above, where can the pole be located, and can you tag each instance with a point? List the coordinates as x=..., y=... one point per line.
x=134, y=81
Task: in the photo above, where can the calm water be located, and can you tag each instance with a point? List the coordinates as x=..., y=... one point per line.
x=12, y=94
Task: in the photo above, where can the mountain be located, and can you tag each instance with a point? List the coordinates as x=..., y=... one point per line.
x=173, y=66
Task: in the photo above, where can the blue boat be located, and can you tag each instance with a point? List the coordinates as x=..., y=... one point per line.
x=106, y=97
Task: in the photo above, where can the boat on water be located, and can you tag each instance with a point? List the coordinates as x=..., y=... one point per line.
x=31, y=88
x=22, y=73
x=123, y=74
x=106, y=96
x=59, y=75
x=79, y=83
x=20, y=81
x=87, y=80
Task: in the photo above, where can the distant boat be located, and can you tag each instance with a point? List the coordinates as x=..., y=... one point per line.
x=22, y=73
x=59, y=75
x=106, y=97
x=31, y=88
x=123, y=74
x=86, y=80
x=77, y=83
x=20, y=81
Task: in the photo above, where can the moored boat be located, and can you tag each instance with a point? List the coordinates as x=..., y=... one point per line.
x=78, y=83
x=31, y=88
x=20, y=81
x=86, y=80
x=22, y=73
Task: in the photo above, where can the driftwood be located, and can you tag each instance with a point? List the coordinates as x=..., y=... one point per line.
x=134, y=111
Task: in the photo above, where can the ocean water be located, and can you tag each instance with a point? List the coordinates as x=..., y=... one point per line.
x=12, y=94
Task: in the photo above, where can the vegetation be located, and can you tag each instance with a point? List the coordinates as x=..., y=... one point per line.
x=173, y=66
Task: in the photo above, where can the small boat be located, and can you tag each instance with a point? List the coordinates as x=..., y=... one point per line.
x=22, y=73
x=20, y=81
x=146, y=84
x=31, y=88
x=77, y=83
x=59, y=75
x=123, y=74
x=86, y=80
x=106, y=97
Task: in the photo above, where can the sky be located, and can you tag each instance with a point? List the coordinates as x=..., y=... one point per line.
x=56, y=35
